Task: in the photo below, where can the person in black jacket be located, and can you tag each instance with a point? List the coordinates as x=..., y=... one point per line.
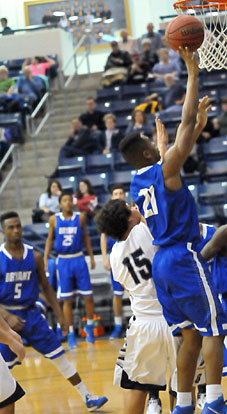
x=118, y=58
x=111, y=137
x=92, y=118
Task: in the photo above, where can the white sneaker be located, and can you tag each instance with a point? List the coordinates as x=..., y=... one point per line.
x=154, y=406
x=201, y=400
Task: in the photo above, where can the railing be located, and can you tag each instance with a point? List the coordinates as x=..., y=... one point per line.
x=34, y=130
x=13, y=150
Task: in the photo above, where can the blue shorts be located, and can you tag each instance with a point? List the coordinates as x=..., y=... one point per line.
x=38, y=334
x=185, y=290
x=118, y=289
x=52, y=277
x=73, y=277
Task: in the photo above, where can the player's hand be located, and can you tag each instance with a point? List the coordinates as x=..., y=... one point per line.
x=162, y=137
x=190, y=61
x=106, y=264
x=92, y=263
x=16, y=345
x=203, y=109
x=15, y=322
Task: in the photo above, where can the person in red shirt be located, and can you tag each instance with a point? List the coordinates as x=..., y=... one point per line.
x=85, y=198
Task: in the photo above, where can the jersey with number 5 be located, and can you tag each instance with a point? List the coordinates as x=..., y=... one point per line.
x=171, y=215
x=68, y=234
x=131, y=264
x=19, y=285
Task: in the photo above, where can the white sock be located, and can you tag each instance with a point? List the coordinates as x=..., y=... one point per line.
x=58, y=325
x=117, y=320
x=184, y=399
x=213, y=392
x=71, y=328
x=82, y=390
x=89, y=321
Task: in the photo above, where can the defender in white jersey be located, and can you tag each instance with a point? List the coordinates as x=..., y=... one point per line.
x=150, y=346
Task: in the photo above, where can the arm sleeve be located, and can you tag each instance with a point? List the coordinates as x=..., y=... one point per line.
x=42, y=200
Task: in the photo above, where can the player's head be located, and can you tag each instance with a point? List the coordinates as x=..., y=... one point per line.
x=116, y=218
x=66, y=201
x=138, y=150
x=118, y=192
x=11, y=226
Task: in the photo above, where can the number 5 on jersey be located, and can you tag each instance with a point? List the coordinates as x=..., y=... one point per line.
x=17, y=290
x=138, y=266
x=149, y=200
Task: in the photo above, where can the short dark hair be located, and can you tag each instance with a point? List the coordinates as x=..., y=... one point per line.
x=117, y=187
x=8, y=215
x=132, y=147
x=65, y=193
x=112, y=219
x=4, y=19
x=50, y=184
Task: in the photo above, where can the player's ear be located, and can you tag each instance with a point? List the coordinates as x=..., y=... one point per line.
x=146, y=154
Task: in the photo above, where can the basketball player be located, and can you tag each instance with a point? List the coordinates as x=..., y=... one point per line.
x=185, y=291
x=68, y=233
x=21, y=273
x=106, y=242
x=10, y=390
x=150, y=347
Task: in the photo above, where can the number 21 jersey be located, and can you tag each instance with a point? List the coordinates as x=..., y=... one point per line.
x=68, y=234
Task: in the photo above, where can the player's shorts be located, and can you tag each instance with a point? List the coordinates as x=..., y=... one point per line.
x=200, y=376
x=149, y=348
x=10, y=390
x=38, y=334
x=73, y=276
x=185, y=290
x=118, y=289
x=52, y=274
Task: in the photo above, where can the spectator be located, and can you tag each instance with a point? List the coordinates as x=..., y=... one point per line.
x=39, y=65
x=139, y=70
x=165, y=67
x=92, y=118
x=111, y=137
x=117, y=65
x=47, y=18
x=6, y=83
x=85, y=199
x=139, y=123
x=175, y=94
x=30, y=86
x=49, y=201
x=155, y=38
x=150, y=105
x=147, y=55
x=106, y=13
x=220, y=123
x=128, y=43
x=6, y=29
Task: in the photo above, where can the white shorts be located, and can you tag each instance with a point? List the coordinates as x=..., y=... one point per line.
x=200, y=377
x=10, y=391
x=149, y=348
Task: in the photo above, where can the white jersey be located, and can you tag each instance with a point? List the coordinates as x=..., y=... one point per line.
x=131, y=264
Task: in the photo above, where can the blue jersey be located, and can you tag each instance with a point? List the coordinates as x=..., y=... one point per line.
x=171, y=215
x=68, y=234
x=19, y=285
x=110, y=243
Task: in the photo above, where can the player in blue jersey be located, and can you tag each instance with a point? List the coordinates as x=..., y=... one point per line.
x=106, y=242
x=183, y=282
x=68, y=235
x=21, y=273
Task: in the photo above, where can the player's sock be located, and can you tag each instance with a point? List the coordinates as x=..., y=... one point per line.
x=71, y=329
x=82, y=390
x=118, y=320
x=89, y=321
x=184, y=399
x=213, y=392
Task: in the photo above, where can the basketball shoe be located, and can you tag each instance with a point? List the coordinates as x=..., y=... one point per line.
x=216, y=407
x=72, y=342
x=89, y=329
x=116, y=333
x=93, y=402
x=184, y=410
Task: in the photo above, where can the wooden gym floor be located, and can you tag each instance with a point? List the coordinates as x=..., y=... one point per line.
x=49, y=393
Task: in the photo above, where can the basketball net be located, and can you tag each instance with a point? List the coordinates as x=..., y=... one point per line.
x=213, y=51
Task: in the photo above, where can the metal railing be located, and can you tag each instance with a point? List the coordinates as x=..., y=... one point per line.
x=14, y=151
x=33, y=130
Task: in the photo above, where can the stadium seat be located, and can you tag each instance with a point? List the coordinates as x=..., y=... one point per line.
x=105, y=107
x=134, y=91
x=71, y=166
x=104, y=198
x=122, y=177
x=122, y=122
x=119, y=163
x=121, y=108
x=215, y=149
x=212, y=93
x=99, y=163
x=108, y=94
x=213, y=193
x=191, y=178
x=68, y=183
x=216, y=171
x=214, y=80
x=216, y=214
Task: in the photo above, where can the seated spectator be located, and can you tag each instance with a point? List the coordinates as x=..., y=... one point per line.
x=117, y=65
x=111, y=137
x=147, y=55
x=80, y=142
x=165, y=67
x=139, y=123
x=106, y=13
x=150, y=105
x=173, y=55
x=6, y=83
x=220, y=123
x=47, y=18
x=6, y=29
x=48, y=202
x=138, y=71
x=39, y=65
x=128, y=43
x=31, y=87
x=92, y=118
x=155, y=38
x=85, y=199
x=175, y=94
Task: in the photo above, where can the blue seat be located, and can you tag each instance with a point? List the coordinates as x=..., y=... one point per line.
x=216, y=171
x=68, y=183
x=213, y=193
x=121, y=108
x=108, y=94
x=214, y=80
x=191, y=178
x=119, y=162
x=71, y=166
x=7, y=120
x=15, y=64
x=104, y=107
x=98, y=181
x=215, y=149
x=99, y=163
x=122, y=177
x=134, y=91
x=123, y=122
x=216, y=214
x=212, y=93
x=104, y=198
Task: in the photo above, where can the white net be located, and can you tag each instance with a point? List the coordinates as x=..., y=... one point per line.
x=213, y=51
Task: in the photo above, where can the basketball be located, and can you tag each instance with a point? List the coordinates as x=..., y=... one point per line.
x=184, y=30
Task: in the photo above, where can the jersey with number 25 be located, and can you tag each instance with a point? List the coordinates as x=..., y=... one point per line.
x=19, y=285
x=68, y=234
x=170, y=215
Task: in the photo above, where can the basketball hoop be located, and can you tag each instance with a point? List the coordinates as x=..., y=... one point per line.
x=213, y=51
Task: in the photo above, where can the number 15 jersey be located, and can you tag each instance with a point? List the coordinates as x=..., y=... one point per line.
x=131, y=264
x=68, y=234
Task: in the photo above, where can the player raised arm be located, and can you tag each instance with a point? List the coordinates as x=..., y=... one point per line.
x=87, y=240
x=217, y=244
x=162, y=137
x=50, y=239
x=12, y=339
x=49, y=293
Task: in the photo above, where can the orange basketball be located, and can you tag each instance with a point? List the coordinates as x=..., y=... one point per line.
x=184, y=30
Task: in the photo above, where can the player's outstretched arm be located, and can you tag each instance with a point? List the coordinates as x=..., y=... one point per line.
x=87, y=240
x=12, y=339
x=216, y=244
x=176, y=156
x=49, y=240
x=49, y=293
